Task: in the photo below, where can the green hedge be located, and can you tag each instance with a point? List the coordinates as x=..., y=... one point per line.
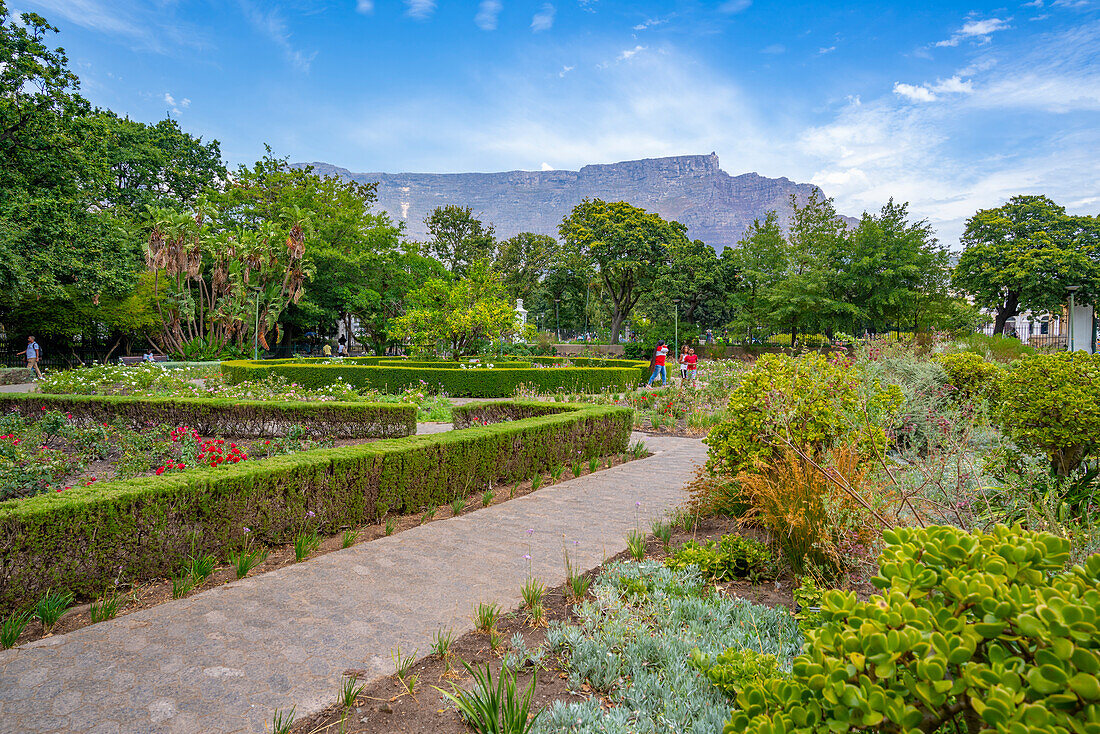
x=443, y=364
x=141, y=529
x=225, y=417
x=477, y=383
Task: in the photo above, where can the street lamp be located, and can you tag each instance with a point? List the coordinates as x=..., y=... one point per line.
x=557, y=320
x=676, y=337
x=1070, y=341
x=256, y=330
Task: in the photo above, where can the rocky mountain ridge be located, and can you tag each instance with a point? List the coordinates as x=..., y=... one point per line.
x=692, y=189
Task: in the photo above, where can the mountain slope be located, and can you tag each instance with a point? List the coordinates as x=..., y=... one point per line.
x=692, y=189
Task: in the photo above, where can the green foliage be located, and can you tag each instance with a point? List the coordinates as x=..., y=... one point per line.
x=462, y=315
x=305, y=543
x=500, y=381
x=635, y=650
x=1051, y=403
x=485, y=616
x=104, y=608
x=12, y=627
x=458, y=238
x=808, y=595
x=247, y=559
x=997, y=347
x=494, y=709
x=732, y=670
x=50, y=608
x=624, y=246
x=972, y=632
x=970, y=375
x=224, y=417
x=144, y=526
x=732, y=557
x=810, y=402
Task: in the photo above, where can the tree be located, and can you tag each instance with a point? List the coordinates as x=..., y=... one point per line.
x=462, y=315
x=625, y=246
x=692, y=274
x=523, y=261
x=806, y=291
x=1022, y=255
x=759, y=260
x=458, y=238
x=893, y=270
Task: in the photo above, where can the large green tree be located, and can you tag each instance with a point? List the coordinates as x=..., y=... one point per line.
x=523, y=261
x=759, y=261
x=625, y=246
x=458, y=238
x=1021, y=256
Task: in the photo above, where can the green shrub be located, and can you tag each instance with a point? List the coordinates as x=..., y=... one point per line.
x=478, y=382
x=87, y=537
x=812, y=402
x=973, y=632
x=732, y=557
x=970, y=375
x=998, y=347
x=733, y=670
x=225, y=417
x=1051, y=403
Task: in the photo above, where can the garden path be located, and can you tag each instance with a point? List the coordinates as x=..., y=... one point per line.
x=19, y=387
x=224, y=659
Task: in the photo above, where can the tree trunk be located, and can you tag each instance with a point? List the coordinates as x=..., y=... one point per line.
x=616, y=326
x=794, y=333
x=1006, y=311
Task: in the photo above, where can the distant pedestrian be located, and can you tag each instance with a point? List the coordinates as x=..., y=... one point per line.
x=327, y=350
x=657, y=364
x=33, y=353
x=682, y=359
x=692, y=364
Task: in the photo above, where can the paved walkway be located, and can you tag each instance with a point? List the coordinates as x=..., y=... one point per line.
x=20, y=387
x=223, y=660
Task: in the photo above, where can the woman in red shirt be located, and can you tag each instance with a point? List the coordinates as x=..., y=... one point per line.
x=658, y=363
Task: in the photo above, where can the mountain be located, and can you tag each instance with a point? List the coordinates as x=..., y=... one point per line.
x=692, y=189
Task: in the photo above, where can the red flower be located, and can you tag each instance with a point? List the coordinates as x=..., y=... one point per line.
x=160, y=471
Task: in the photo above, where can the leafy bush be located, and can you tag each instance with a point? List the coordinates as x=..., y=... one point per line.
x=1051, y=403
x=635, y=650
x=999, y=348
x=930, y=415
x=973, y=632
x=500, y=381
x=716, y=495
x=144, y=526
x=971, y=375
x=822, y=515
x=809, y=402
x=734, y=669
x=732, y=557
x=224, y=417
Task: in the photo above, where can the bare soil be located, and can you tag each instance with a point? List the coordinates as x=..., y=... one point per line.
x=150, y=594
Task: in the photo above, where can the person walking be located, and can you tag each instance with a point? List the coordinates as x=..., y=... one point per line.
x=692, y=364
x=682, y=359
x=33, y=353
x=658, y=364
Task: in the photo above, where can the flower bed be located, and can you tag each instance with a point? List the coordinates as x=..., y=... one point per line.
x=85, y=539
x=480, y=382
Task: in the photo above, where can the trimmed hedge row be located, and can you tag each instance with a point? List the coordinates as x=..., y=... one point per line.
x=477, y=383
x=224, y=417
x=141, y=529
x=488, y=413
x=398, y=362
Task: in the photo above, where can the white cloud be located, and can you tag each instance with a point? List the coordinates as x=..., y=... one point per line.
x=169, y=100
x=734, y=6
x=916, y=93
x=185, y=102
x=1070, y=3
x=626, y=54
x=1034, y=4
x=565, y=70
x=954, y=85
x=366, y=7
x=775, y=48
x=543, y=20
x=546, y=167
x=649, y=23
x=823, y=51
x=977, y=31
x=173, y=107
x=271, y=24
x=419, y=9
x=150, y=27
x=487, y=12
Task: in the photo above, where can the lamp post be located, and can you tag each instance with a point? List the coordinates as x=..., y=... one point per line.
x=557, y=320
x=256, y=328
x=1070, y=341
x=676, y=332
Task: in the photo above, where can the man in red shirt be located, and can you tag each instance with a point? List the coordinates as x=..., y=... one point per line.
x=658, y=363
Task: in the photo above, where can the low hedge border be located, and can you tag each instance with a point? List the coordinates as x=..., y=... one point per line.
x=442, y=364
x=477, y=383
x=86, y=538
x=225, y=417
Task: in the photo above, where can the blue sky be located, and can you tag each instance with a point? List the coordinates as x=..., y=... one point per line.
x=949, y=107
